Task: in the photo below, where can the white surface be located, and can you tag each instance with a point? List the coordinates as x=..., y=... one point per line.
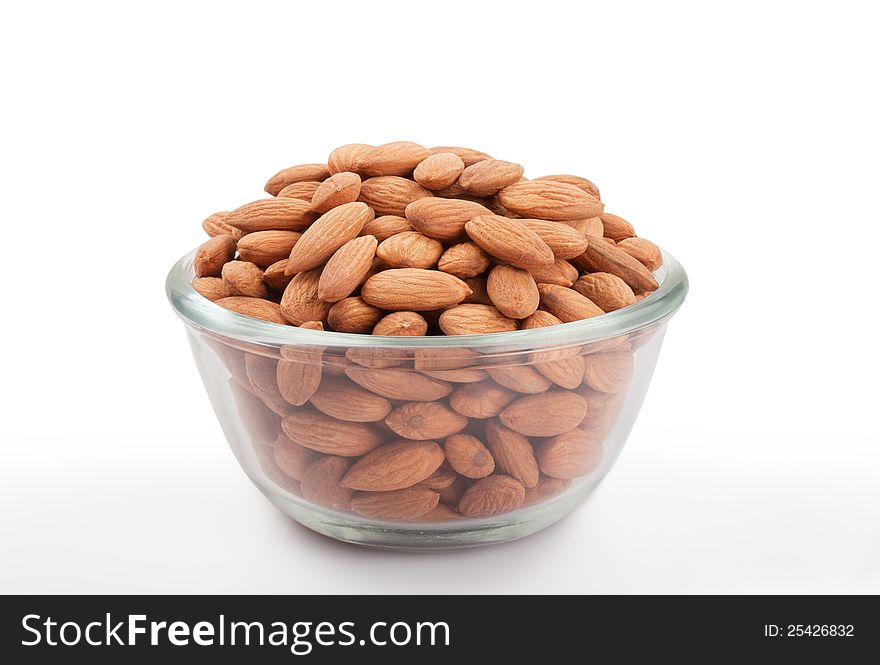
x=745, y=141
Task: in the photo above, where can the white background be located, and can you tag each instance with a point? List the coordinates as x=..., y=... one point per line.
x=744, y=140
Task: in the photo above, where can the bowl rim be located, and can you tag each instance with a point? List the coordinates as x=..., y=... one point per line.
x=202, y=313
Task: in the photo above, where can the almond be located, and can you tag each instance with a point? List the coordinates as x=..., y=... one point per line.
x=274, y=277
x=272, y=215
x=266, y=459
x=644, y=251
x=553, y=412
x=520, y=378
x=546, y=488
x=591, y=227
x=442, y=478
x=299, y=371
x=344, y=400
x=465, y=259
x=300, y=190
x=549, y=200
x=509, y=241
x=561, y=273
x=212, y=255
x=564, y=241
x=606, y=290
x=570, y=455
x=446, y=357
x=602, y=409
x=474, y=320
x=492, y=495
x=339, y=188
x=459, y=375
x=214, y=225
x=443, y=219
x=390, y=195
x=563, y=366
x=481, y=400
x=395, y=466
x=261, y=424
x=400, y=384
x=348, y=157
x=300, y=301
x=396, y=324
x=566, y=304
x=292, y=458
x=393, y=159
x=609, y=371
x=467, y=155
x=489, y=176
x=382, y=228
x=440, y=513
x=260, y=372
x=328, y=234
x=294, y=174
x=468, y=456
x=353, y=315
x=410, y=249
x=320, y=483
x=616, y=228
x=413, y=289
x=425, y=420
x=267, y=247
x=412, y=503
x=256, y=308
x=439, y=170
x=479, y=290
x=577, y=181
x=540, y=319
x=402, y=324
x=513, y=453
x=243, y=278
x=452, y=494
x=347, y=268
x=211, y=288
x=513, y=291
x=320, y=432
x=602, y=257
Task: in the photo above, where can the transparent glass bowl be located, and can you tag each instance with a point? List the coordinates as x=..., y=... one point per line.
x=557, y=404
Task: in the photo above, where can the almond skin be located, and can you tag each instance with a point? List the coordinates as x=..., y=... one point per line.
x=321, y=240
x=212, y=255
x=479, y=290
x=577, y=181
x=292, y=458
x=300, y=190
x=443, y=219
x=604, y=257
x=344, y=400
x=214, y=225
x=267, y=247
x=385, y=226
x=546, y=488
x=400, y=384
x=564, y=241
x=410, y=249
x=409, y=504
x=520, y=378
x=509, y=241
x=489, y=176
x=644, y=251
x=254, y=307
x=474, y=320
x=299, y=371
x=465, y=259
x=290, y=175
x=398, y=158
x=243, y=278
x=561, y=273
x=300, y=301
x=317, y=431
x=353, y=315
x=320, y=483
x=347, y=268
x=468, y=456
x=481, y=400
x=472, y=375
x=272, y=215
x=540, y=319
x=402, y=324
x=513, y=453
x=606, y=290
x=590, y=227
x=467, y=155
x=492, y=495
x=566, y=304
x=413, y=289
x=609, y=371
x=395, y=466
x=440, y=513
x=390, y=195
x=616, y=228
x=425, y=420
x=211, y=288
x=439, y=170
x=563, y=366
x=442, y=478
x=570, y=455
x=555, y=201
x=444, y=358
x=513, y=291
x=260, y=371
x=274, y=277
x=339, y=188
x=348, y=157
x=548, y=414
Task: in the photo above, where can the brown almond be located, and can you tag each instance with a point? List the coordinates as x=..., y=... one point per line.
x=509, y=241
x=564, y=241
x=540, y=319
x=260, y=422
x=260, y=372
x=609, y=371
x=300, y=301
x=353, y=315
x=616, y=228
x=320, y=483
x=347, y=268
x=513, y=453
x=442, y=478
x=566, y=304
x=563, y=366
x=243, y=278
x=553, y=412
x=267, y=247
x=474, y=320
x=272, y=215
x=577, y=181
x=294, y=174
x=344, y=400
x=390, y=195
x=467, y=155
x=398, y=158
x=443, y=219
x=479, y=290
x=425, y=420
x=328, y=234
x=409, y=504
x=349, y=157
x=472, y=375
x=492, y=495
x=452, y=494
x=214, y=225
x=339, y=188
x=570, y=455
x=513, y=291
x=300, y=190
x=520, y=378
x=413, y=289
x=400, y=384
x=468, y=456
x=550, y=200
x=489, y=176
x=300, y=369
x=606, y=290
x=481, y=400
x=395, y=466
x=440, y=513
x=320, y=432
x=602, y=409
x=212, y=255
x=256, y=308
x=446, y=357
x=274, y=276
x=646, y=252
x=439, y=170
x=211, y=288
x=385, y=226
x=410, y=249
x=396, y=324
x=546, y=489
x=465, y=259
x=603, y=257
x=401, y=324
x=590, y=227
x=561, y=273
x=292, y=458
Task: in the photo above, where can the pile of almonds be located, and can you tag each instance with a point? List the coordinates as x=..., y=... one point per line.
x=402, y=240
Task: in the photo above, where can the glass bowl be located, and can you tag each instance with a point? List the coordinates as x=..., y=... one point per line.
x=367, y=439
